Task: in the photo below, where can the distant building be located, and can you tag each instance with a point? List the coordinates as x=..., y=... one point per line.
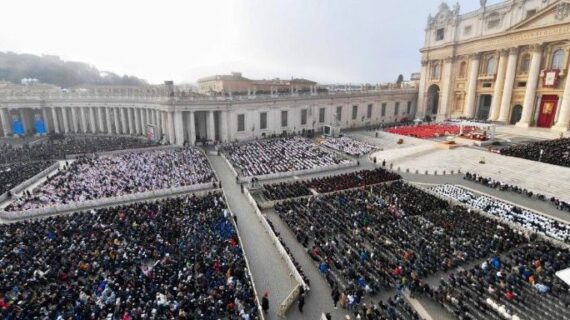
x=235, y=83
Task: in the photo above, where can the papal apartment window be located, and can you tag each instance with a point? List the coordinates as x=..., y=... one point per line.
x=263, y=120
x=369, y=111
x=558, y=59
x=397, y=108
x=322, y=115
x=525, y=63
x=440, y=34
x=304, y=117
x=409, y=110
x=436, y=72
x=241, y=122
x=467, y=30
x=493, y=23
x=354, y=112
x=383, y=111
x=283, y=118
x=463, y=69
x=339, y=113
x=491, y=66
x=530, y=13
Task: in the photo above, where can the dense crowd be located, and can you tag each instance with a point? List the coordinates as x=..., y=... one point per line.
x=111, y=176
x=348, y=145
x=507, y=212
x=553, y=151
x=285, y=190
x=279, y=155
x=59, y=148
x=427, y=131
x=520, y=285
x=173, y=259
x=390, y=235
x=498, y=185
x=13, y=174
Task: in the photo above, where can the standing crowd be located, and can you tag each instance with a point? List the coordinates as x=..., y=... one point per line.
x=348, y=145
x=171, y=259
x=112, y=176
x=551, y=151
x=15, y=173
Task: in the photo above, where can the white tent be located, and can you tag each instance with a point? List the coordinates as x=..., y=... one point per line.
x=564, y=275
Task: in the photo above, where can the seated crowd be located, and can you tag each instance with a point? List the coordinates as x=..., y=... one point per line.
x=553, y=151
x=348, y=145
x=112, y=176
x=171, y=259
x=390, y=236
x=507, y=212
x=58, y=149
x=495, y=184
x=284, y=190
x=427, y=131
x=521, y=284
x=13, y=174
x=278, y=155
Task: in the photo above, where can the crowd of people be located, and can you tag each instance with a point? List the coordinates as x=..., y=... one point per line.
x=507, y=212
x=428, y=131
x=551, y=151
x=171, y=259
x=348, y=145
x=13, y=174
x=57, y=149
x=91, y=178
x=521, y=284
x=268, y=156
x=498, y=185
x=285, y=190
x=390, y=236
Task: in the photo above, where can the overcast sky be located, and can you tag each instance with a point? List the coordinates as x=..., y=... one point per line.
x=182, y=40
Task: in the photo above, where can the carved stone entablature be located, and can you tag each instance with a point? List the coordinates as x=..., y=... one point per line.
x=449, y=59
x=425, y=62
x=445, y=16
x=513, y=50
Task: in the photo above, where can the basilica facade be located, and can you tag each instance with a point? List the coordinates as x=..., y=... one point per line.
x=506, y=62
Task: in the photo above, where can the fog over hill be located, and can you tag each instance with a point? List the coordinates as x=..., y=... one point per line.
x=53, y=70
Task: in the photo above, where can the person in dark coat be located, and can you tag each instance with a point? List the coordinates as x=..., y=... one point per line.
x=301, y=301
x=335, y=296
x=265, y=303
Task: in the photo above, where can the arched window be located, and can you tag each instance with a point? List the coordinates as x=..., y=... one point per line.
x=525, y=63
x=436, y=72
x=558, y=59
x=491, y=65
x=463, y=69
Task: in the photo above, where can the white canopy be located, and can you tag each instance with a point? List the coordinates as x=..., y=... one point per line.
x=564, y=275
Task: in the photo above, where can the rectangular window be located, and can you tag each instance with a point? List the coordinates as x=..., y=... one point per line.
x=263, y=120
x=530, y=13
x=283, y=118
x=409, y=107
x=397, y=108
x=440, y=34
x=383, y=109
x=322, y=115
x=492, y=24
x=304, y=117
x=467, y=30
x=241, y=122
x=369, y=111
x=339, y=113
x=354, y=112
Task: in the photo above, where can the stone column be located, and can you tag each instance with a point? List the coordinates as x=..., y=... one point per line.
x=116, y=121
x=108, y=120
x=6, y=127
x=74, y=123
x=83, y=113
x=179, y=127
x=531, y=84
x=142, y=120
x=44, y=117
x=100, y=112
x=170, y=123
x=65, y=120
x=469, y=110
x=211, y=129
x=422, y=95
x=124, y=126
x=508, y=87
x=191, y=128
x=55, y=121
x=224, y=126
x=445, y=90
x=131, y=121
x=499, y=86
x=564, y=116
x=137, y=121
x=92, y=120
x=159, y=123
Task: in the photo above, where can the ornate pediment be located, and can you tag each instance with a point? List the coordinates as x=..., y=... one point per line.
x=444, y=16
x=557, y=12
